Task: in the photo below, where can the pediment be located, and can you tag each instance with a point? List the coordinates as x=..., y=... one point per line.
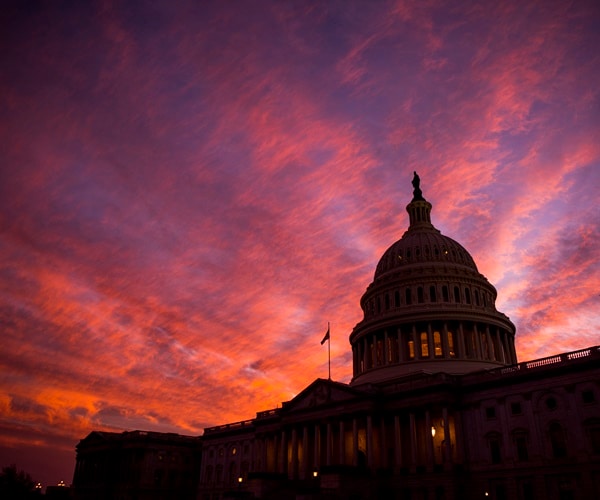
x=321, y=393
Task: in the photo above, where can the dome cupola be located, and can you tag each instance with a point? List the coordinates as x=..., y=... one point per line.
x=428, y=309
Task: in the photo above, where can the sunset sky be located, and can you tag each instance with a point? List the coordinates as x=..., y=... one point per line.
x=190, y=191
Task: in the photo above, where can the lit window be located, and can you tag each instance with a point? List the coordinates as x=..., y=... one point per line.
x=411, y=349
x=437, y=344
x=451, y=345
x=424, y=345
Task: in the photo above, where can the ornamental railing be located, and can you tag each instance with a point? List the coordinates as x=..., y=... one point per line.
x=558, y=359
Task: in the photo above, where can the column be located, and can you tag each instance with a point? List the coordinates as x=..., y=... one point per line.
x=383, y=443
x=445, y=346
x=429, y=440
x=478, y=353
x=397, y=441
x=431, y=347
x=294, y=471
x=500, y=348
x=264, y=453
x=342, y=460
x=305, y=473
x=460, y=334
x=507, y=353
x=354, y=442
x=275, y=453
x=447, y=451
x=283, y=453
x=401, y=353
x=386, y=351
x=370, y=441
x=491, y=347
x=417, y=341
x=317, y=439
x=329, y=444
x=413, y=441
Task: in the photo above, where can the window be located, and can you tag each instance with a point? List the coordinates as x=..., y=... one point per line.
x=451, y=351
x=397, y=298
x=408, y=297
x=467, y=296
x=520, y=439
x=494, y=443
x=515, y=408
x=588, y=396
x=432, y=294
x=424, y=345
x=551, y=403
x=420, y=297
x=387, y=301
x=445, y=295
x=476, y=297
x=456, y=295
x=437, y=344
x=557, y=441
x=490, y=412
x=411, y=349
x=593, y=431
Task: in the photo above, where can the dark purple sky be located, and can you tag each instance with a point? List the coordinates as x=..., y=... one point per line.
x=189, y=191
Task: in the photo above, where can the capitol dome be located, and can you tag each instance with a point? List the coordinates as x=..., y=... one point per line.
x=428, y=309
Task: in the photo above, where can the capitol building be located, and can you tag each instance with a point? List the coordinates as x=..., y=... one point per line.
x=438, y=407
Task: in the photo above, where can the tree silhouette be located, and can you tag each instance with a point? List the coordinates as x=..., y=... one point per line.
x=16, y=485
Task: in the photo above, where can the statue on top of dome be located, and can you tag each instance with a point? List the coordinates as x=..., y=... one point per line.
x=416, y=182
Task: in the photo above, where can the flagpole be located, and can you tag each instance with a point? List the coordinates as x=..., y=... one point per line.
x=329, y=350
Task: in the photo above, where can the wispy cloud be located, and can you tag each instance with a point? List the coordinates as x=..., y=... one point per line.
x=188, y=194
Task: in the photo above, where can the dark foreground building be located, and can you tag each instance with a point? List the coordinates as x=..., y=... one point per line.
x=136, y=465
x=438, y=406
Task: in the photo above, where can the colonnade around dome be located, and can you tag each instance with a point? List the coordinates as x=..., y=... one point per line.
x=420, y=342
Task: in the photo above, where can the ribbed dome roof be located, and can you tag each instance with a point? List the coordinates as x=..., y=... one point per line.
x=421, y=246
x=422, y=242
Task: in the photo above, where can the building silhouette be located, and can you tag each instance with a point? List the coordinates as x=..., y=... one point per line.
x=438, y=406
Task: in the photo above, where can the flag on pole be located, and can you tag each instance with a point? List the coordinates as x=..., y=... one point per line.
x=326, y=338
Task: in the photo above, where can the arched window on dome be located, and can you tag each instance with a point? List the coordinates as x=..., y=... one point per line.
x=396, y=298
x=424, y=345
x=484, y=298
x=408, y=294
x=467, y=296
x=378, y=305
x=445, y=295
x=420, y=296
x=476, y=293
x=387, y=301
x=456, y=295
x=432, y=294
x=437, y=345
